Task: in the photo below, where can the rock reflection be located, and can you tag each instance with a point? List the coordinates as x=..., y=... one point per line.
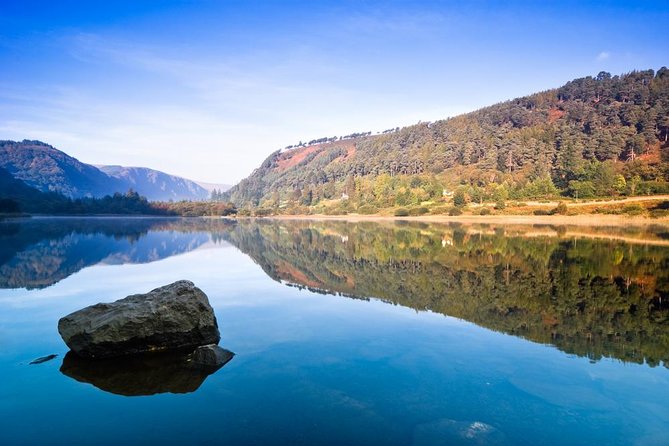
x=142, y=375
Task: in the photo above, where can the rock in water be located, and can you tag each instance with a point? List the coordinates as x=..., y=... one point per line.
x=43, y=359
x=210, y=357
x=176, y=316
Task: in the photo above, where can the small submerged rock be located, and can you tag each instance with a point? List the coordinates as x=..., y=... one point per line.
x=173, y=317
x=210, y=356
x=42, y=359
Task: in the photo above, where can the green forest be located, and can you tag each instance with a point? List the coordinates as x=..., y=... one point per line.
x=602, y=136
x=590, y=297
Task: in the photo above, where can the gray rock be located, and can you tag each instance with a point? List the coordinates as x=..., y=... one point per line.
x=210, y=357
x=176, y=316
x=43, y=359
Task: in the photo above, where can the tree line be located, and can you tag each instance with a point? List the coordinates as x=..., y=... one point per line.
x=593, y=137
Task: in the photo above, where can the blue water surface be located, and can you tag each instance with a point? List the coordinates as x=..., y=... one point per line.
x=314, y=369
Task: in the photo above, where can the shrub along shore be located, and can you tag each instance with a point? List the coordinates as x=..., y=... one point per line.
x=653, y=208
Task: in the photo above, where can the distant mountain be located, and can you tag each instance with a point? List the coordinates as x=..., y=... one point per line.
x=15, y=189
x=214, y=186
x=156, y=185
x=17, y=196
x=48, y=169
x=594, y=136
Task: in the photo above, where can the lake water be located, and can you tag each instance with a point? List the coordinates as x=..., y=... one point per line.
x=348, y=333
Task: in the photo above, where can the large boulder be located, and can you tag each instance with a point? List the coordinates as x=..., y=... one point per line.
x=176, y=316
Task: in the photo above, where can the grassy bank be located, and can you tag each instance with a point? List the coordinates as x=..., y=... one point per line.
x=640, y=209
x=576, y=220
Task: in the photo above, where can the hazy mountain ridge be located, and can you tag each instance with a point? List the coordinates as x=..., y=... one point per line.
x=47, y=169
x=210, y=187
x=576, y=140
x=157, y=185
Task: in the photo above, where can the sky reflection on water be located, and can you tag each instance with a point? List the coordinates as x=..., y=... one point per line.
x=316, y=368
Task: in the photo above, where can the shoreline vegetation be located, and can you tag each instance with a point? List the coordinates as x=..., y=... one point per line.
x=604, y=211
x=637, y=210
x=575, y=220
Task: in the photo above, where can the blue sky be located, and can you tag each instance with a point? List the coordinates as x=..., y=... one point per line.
x=208, y=89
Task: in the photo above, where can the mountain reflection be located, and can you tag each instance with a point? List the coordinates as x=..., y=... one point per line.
x=591, y=293
x=37, y=253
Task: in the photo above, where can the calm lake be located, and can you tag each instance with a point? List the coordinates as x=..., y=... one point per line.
x=347, y=333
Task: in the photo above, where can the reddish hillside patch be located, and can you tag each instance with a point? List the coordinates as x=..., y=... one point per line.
x=554, y=114
x=652, y=155
x=295, y=156
x=350, y=151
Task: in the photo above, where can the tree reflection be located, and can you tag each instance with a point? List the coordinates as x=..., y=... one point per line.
x=595, y=295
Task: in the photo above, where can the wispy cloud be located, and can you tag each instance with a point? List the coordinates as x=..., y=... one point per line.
x=604, y=55
x=251, y=81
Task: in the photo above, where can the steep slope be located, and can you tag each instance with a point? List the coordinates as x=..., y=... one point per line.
x=156, y=185
x=598, y=136
x=17, y=196
x=49, y=170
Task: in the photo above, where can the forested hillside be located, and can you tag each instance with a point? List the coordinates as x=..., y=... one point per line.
x=595, y=136
x=48, y=169
x=17, y=197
